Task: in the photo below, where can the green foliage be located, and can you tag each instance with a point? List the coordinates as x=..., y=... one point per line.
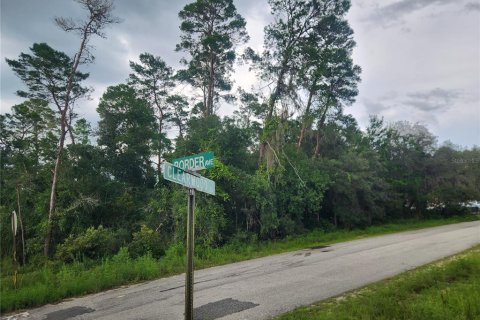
x=146, y=241
x=209, y=223
x=94, y=243
x=179, y=113
x=46, y=74
x=126, y=129
x=358, y=193
x=82, y=130
x=152, y=79
x=27, y=141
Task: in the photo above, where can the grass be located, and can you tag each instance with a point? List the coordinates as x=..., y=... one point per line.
x=54, y=282
x=448, y=289
x=48, y=285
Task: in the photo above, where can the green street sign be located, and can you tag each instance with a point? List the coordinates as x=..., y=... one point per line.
x=189, y=180
x=195, y=162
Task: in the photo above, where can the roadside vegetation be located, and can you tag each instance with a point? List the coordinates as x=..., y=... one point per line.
x=55, y=281
x=448, y=290
x=292, y=168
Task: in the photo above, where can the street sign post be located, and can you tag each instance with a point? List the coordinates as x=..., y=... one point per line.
x=184, y=171
x=190, y=250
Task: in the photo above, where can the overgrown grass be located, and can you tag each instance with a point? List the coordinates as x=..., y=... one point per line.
x=448, y=289
x=48, y=285
x=53, y=282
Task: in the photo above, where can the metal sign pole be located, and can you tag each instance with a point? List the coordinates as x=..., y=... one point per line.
x=183, y=171
x=190, y=247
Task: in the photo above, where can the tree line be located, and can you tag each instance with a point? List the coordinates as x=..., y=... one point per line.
x=288, y=160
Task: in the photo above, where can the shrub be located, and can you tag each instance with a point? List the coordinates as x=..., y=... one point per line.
x=93, y=243
x=209, y=223
x=146, y=241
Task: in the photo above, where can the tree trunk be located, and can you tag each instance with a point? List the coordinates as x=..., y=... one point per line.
x=21, y=227
x=271, y=106
x=321, y=122
x=159, y=164
x=70, y=128
x=180, y=131
x=63, y=131
x=305, y=116
x=211, y=79
x=160, y=129
x=302, y=136
x=275, y=95
x=205, y=94
x=317, y=146
x=53, y=193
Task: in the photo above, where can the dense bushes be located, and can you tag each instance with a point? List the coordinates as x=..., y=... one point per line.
x=94, y=243
x=146, y=241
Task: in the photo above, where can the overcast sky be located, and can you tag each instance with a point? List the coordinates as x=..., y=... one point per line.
x=420, y=58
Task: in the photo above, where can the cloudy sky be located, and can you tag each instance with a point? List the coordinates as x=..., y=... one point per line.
x=420, y=58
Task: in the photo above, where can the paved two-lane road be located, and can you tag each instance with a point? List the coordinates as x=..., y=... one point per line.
x=262, y=288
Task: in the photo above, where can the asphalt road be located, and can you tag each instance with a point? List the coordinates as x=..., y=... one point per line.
x=262, y=288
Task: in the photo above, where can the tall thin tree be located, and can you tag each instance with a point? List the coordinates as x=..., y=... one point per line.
x=211, y=29
x=152, y=79
x=62, y=88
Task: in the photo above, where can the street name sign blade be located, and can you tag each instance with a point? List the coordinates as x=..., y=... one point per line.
x=197, y=182
x=195, y=162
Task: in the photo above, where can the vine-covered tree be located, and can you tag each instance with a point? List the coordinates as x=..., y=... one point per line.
x=293, y=44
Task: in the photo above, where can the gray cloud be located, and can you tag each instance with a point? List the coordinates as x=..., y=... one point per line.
x=393, y=14
x=375, y=107
x=433, y=100
x=425, y=101
x=472, y=6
